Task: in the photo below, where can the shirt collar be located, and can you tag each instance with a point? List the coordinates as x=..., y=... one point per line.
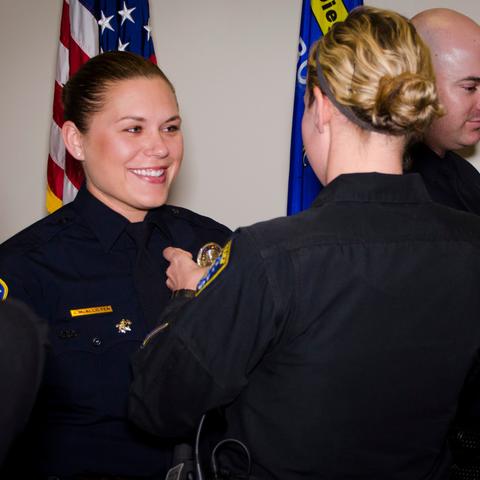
x=425, y=159
x=374, y=187
x=161, y=218
x=107, y=224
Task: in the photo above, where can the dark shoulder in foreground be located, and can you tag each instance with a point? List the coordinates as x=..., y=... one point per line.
x=39, y=233
x=277, y=231
x=195, y=219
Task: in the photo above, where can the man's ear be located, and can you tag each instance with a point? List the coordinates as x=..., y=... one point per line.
x=73, y=139
x=323, y=109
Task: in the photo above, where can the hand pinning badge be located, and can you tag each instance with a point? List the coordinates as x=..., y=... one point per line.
x=219, y=264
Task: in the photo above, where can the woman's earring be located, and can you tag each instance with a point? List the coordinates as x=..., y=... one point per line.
x=305, y=159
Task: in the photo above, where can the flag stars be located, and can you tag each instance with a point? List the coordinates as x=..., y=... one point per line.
x=104, y=22
x=125, y=13
x=148, y=28
x=122, y=46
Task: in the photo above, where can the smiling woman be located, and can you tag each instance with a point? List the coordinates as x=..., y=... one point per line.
x=133, y=148
x=126, y=133
x=94, y=270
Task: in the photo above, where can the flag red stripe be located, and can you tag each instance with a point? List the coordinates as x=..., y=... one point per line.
x=74, y=170
x=55, y=177
x=57, y=105
x=65, y=25
x=77, y=56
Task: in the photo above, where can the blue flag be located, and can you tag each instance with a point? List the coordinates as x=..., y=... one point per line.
x=317, y=18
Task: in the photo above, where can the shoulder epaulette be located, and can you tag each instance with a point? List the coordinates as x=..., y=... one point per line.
x=196, y=218
x=39, y=232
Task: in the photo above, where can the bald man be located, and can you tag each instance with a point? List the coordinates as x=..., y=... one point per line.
x=454, y=41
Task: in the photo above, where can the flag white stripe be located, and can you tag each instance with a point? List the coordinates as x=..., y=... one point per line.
x=57, y=148
x=63, y=67
x=69, y=190
x=84, y=28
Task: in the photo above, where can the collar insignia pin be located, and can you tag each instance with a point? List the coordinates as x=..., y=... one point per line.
x=124, y=326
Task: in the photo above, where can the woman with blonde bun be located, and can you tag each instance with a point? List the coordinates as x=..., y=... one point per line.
x=370, y=90
x=338, y=340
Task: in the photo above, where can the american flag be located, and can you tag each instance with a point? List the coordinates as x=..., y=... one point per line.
x=87, y=28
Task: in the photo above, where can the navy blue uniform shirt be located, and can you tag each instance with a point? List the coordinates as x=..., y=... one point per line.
x=75, y=269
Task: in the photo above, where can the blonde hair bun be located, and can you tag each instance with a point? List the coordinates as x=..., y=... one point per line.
x=404, y=103
x=378, y=67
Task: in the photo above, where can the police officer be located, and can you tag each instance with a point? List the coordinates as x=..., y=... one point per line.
x=451, y=180
x=454, y=40
x=336, y=340
x=94, y=270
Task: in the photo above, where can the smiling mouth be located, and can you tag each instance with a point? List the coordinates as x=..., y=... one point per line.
x=148, y=172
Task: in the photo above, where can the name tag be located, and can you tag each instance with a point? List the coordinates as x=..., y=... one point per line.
x=79, y=312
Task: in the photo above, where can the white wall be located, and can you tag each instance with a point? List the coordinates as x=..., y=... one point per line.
x=233, y=65
x=28, y=46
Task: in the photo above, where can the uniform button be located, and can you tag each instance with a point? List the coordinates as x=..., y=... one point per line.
x=97, y=341
x=175, y=211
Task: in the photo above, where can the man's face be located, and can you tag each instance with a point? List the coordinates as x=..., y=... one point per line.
x=458, y=83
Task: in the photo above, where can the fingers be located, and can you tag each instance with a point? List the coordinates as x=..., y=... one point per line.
x=170, y=253
x=170, y=284
x=182, y=272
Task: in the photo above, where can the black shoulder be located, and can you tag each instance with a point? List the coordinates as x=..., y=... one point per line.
x=274, y=233
x=464, y=167
x=196, y=219
x=38, y=233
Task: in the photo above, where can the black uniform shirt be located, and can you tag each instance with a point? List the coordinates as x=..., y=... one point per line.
x=338, y=339
x=451, y=180
x=75, y=269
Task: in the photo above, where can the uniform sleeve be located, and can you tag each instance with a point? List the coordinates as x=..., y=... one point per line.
x=20, y=257
x=14, y=285
x=203, y=358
